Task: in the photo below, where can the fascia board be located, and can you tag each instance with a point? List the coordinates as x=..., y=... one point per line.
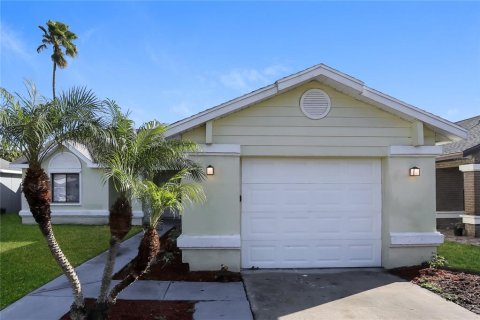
x=322, y=70
x=383, y=101
x=415, y=113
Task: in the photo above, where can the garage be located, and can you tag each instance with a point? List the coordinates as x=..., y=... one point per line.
x=316, y=170
x=310, y=213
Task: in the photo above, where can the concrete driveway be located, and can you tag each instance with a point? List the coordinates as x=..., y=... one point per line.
x=343, y=294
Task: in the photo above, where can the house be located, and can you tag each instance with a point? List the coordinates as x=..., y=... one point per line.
x=79, y=193
x=10, y=193
x=314, y=170
x=458, y=180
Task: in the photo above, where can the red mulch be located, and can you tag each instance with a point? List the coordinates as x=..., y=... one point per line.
x=459, y=287
x=175, y=269
x=171, y=269
x=148, y=310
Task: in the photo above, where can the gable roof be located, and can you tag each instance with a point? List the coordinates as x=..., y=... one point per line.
x=76, y=148
x=471, y=143
x=331, y=77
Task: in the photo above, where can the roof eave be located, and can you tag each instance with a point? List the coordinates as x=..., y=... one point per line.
x=354, y=87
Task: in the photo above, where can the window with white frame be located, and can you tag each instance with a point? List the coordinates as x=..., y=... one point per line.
x=65, y=173
x=66, y=187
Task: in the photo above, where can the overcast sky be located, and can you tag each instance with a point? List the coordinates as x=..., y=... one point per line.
x=169, y=60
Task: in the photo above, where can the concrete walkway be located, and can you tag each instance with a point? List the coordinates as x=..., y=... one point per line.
x=344, y=294
x=51, y=301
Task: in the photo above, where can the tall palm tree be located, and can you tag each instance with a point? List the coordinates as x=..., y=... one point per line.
x=37, y=126
x=129, y=157
x=174, y=194
x=58, y=35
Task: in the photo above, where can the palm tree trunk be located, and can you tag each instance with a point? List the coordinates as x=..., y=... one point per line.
x=36, y=188
x=107, y=272
x=53, y=79
x=77, y=309
x=147, y=251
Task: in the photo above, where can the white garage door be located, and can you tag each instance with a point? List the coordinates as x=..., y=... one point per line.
x=304, y=213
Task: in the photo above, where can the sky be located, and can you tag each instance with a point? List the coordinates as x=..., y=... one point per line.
x=169, y=60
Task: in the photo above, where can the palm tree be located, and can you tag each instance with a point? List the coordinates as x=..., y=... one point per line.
x=58, y=35
x=38, y=125
x=129, y=157
x=173, y=194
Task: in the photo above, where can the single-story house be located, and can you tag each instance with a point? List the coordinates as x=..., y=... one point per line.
x=79, y=193
x=314, y=170
x=458, y=180
x=10, y=192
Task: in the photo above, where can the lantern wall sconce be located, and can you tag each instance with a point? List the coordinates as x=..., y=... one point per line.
x=210, y=171
x=414, y=171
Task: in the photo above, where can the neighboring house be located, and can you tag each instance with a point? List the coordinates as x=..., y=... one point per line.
x=458, y=180
x=79, y=193
x=314, y=171
x=10, y=190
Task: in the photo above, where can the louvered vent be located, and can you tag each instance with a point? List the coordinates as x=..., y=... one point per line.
x=315, y=104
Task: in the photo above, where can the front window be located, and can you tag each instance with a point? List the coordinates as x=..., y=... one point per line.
x=66, y=187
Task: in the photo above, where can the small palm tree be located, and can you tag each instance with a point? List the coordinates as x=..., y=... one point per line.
x=36, y=126
x=129, y=157
x=174, y=194
x=58, y=35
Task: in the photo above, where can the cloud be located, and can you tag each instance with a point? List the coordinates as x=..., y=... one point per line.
x=11, y=42
x=249, y=79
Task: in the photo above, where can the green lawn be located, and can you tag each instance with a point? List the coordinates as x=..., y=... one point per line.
x=26, y=262
x=461, y=256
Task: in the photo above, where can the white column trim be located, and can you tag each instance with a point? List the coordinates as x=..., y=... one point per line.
x=411, y=151
x=469, y=167
x=418, y=138
x=470, y=219
x=418, y=239
x=449, y=214
x=209, y=132
x=209, y=241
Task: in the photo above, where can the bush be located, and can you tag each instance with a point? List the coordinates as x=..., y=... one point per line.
x=437, y=262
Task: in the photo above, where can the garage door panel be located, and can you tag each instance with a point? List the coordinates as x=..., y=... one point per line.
x=317, y=254
x=311, y=213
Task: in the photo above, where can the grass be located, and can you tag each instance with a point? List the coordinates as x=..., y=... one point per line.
x=461, y=256
x=26, y=262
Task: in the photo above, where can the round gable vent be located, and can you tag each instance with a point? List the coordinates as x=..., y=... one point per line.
x=315, y=104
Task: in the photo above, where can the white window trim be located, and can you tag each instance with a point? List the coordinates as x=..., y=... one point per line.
x=60, y=171
x=78, y=170
x=469, y=167
x=470, y=219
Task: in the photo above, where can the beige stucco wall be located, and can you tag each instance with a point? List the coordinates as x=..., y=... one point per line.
x=220, y=215
x=408, y=205
x=277, y=127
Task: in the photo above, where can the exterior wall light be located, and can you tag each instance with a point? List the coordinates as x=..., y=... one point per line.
x=210, y=171
x=414, y=171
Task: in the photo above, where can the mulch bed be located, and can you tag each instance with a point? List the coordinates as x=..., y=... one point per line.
x=148, y=310
x=459, y=287
x=169, y=266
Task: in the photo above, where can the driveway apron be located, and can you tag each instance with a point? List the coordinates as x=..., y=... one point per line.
x=343, y=294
